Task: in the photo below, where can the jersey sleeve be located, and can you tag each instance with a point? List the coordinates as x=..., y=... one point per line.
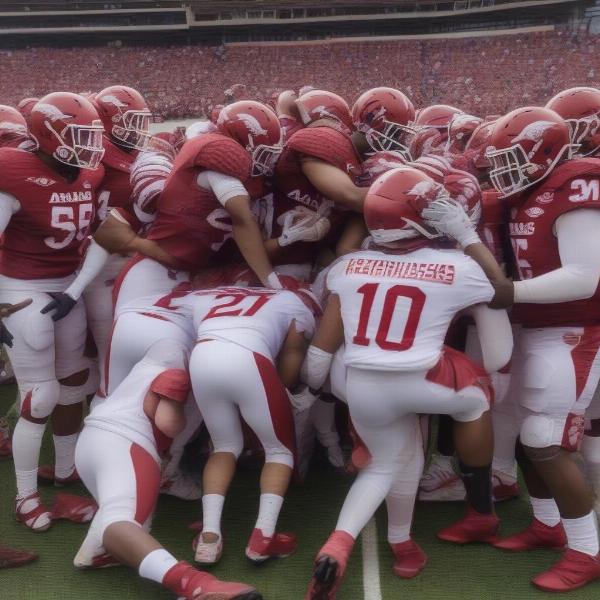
x=225, y=156
x=303, y=318
x=224, y=187
x=322, y=143
x=332, y=278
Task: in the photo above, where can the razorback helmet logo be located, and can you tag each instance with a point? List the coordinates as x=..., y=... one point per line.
x=252, y=124
x=51, y=112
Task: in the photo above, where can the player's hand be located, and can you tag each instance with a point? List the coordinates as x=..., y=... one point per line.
x=303, y=225
x=6, y=310
x=449, y=218
x=61, y=304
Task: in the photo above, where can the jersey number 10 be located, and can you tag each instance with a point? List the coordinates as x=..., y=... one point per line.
x=417, y=301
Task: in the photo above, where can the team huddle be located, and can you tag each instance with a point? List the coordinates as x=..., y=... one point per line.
x=253, y=270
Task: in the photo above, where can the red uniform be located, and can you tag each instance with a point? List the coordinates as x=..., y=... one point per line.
x=43, y=238
x=493, y=224
x=574, y=184
x=293, y=189
x=191, y=225
x=115, y=190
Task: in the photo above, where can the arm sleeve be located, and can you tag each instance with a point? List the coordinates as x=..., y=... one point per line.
x=495, y=336
x=579, y=249
x=94, y=261
x=224, y=187
x=9, y=205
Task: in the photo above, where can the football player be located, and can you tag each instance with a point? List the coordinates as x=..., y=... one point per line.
x=233, y=372
x=553, y=227
x=135, y=426
x=392, y=306
x=13, y=130
x=287, y=113
x=48, y=201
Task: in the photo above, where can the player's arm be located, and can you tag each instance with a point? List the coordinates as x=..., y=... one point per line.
x=449, y=218
x=327, y=339
x=579, y=250
x=495, y=336
x=334, y=184
x=63, y=302
x=291, y=357
x=353, y=236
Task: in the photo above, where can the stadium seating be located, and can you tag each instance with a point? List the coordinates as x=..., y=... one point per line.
x=483, y=75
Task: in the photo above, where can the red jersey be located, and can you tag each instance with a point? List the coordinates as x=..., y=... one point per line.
x=115, y=190
x=292, y=188
x=191, y=224
x=574, y=184
x=43, y=239
x=493, y=225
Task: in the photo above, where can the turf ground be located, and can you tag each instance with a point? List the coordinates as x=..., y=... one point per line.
x=476, y=572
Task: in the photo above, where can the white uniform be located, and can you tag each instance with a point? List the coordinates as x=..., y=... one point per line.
x=119, y=449
x=396, y=311
x=232, y=367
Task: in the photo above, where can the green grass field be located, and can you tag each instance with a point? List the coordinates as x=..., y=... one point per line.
x=476, y=572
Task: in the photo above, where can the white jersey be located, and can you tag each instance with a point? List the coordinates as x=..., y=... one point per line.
x=256, y=318
x=397, y=309
x=122, y=412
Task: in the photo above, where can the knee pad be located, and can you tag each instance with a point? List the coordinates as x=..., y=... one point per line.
x=280, y=455
x=39, y=400
x=115, y=510
x=38, y=331
x=71, y=394
x=537, y=431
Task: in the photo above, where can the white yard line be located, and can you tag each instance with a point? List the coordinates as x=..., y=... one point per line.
x=370, y=557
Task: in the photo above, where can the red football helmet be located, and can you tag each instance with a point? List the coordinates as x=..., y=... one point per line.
x=427, y=140
x=319, y=104
x=256, y=127
x=12, y=125
x=67, y=127
x=393, y=207
x=525, y=146
x=460, y=130
x=285, y=105
x=436, y=115
x=125, y=115
x=580, y=108
x=25, y=106
x=477, y=145
x=385, y=115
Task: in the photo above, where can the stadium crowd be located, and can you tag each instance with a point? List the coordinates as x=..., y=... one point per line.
x=485, y=75
x=400, y=256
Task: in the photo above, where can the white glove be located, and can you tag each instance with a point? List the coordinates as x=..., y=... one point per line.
x=303, y=225
x=449, y=218
x=302, y=400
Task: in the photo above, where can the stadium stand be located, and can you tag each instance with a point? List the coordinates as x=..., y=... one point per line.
x=486, y=75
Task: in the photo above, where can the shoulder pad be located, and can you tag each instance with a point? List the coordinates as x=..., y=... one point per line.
x=324, y=143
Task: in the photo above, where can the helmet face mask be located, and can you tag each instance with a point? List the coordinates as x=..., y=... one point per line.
x=132, y=129
x=513, y=172
x=264, y=159
x=582, y=129
x=390, y=138
x=80, y=146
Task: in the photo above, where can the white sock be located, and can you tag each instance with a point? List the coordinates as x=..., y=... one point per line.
x=268, y=513
x=212, y=508
x=400, y=516
x=590, y=449
x=582, y=534
x=27, y=441
x=545, y=510
x=64, y=454
x=156, y=565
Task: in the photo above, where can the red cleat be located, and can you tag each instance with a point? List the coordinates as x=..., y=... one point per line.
x=574, y=570
x=77, y=509
x=32, y=513
x=503, y=491
x=473, y=527
x=537, y=535
x=46, y=477
x=190, y=584
x=11, y=557
x=409, y=559
x=279, y=545
x=330, y=566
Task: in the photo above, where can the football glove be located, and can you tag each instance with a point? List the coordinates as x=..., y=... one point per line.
x=62, y=304
x=449, y=218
